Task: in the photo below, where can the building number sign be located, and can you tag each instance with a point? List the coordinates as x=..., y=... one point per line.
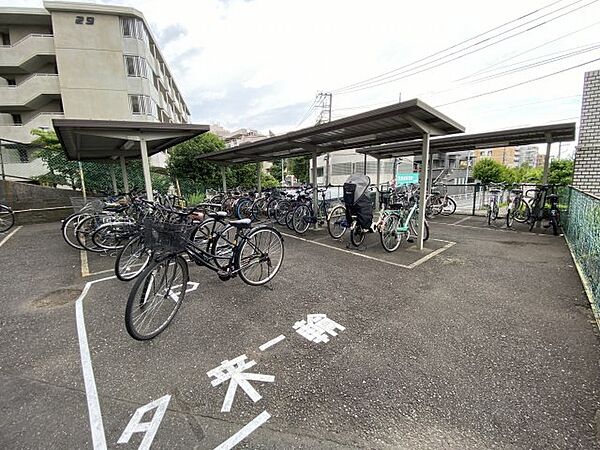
x=80, y=20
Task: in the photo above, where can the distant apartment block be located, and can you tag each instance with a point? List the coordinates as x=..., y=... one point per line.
x=80, y=61
x=237, y=137
x=507, y=156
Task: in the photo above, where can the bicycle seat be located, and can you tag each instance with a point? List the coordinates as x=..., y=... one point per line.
x=216, y=214
x=242, y=223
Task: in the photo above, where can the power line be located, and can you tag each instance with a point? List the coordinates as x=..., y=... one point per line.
x=391, y=79
x=490, y=67
x=519, y=84
x=446, y=49
x=571, y=53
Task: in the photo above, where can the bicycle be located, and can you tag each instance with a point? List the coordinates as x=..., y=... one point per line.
x=7, y=218
x=518, y=208
x=539, y=210
x=255, y=254
x=400, y=222
x=493, y=207
x=304, y=215
x=438, y=203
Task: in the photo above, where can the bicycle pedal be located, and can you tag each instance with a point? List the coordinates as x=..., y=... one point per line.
x=223, y=275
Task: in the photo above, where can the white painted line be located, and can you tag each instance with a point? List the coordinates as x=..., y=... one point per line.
x=245, y=432
x=96, y=424
x=431, y=255
x=101, y=272
x=85, y=267
x=347, y=251
x=12, y=233
x=503, y=230
x=271, y=343
x=464, y=219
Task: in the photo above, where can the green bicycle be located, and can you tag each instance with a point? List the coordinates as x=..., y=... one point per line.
x=401, y=222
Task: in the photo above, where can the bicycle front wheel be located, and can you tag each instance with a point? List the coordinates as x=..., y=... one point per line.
x=7, y=219
x=388, y=233
x=414, y=228
x=357, y=235
x=301, y=219
x=260, y=256
x=336, y=224
x=448, y=207
x=156, y=297
x=132, y=259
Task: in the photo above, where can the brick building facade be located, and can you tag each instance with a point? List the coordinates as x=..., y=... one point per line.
x=587, y=158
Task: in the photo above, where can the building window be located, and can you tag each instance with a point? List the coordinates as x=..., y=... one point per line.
x=142, y=104
x=341, y=168
x=133, y=28
x=137, y=66
x=319, y=171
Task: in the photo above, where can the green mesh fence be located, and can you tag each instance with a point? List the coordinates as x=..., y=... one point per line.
x=581, y=223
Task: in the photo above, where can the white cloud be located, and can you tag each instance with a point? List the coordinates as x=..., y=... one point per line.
x=259, y=63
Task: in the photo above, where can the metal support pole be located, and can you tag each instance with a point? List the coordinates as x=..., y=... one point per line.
x=2, y=162
x=315, y=188
x=378, y=182
x=546, y=163
x=224, y=179
x=146, y=169
x=327, y=159
x=423, y=189
x=475, y=190
x=430, y=182
x=124, y=173
x=258, y=176
x=365, y=165
x=113, y=179
x=82, y=178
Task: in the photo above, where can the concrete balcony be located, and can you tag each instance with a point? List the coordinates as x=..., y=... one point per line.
x=28, y=54
x=22, y=133
x=30, y=94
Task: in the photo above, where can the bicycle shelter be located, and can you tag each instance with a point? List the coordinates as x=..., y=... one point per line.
x=549, y=134
x=93, y=140
x=401, y=122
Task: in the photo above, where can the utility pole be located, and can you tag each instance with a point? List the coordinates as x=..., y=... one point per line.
x=324, y=117
x=2, y=162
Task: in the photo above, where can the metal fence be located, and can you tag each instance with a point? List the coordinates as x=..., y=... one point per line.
x=581, y=224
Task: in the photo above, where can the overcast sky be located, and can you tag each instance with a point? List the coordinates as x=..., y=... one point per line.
x=259, y=63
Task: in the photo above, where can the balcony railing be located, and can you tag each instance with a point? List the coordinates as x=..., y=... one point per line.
x=22, y=132
x=21, y=53
x=23, y=94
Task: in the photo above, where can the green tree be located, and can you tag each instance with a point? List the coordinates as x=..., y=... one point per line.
x=196, y=175
x=275, y=169
x=268, y=181
x=61, y=171
x=560, y=172
x=488, y=170
x=299, y=166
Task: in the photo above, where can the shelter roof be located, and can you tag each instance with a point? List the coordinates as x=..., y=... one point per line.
x=563, y=132
x=395, y=123
x=109, y=139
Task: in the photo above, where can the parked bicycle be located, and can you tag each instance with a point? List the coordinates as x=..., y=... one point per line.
x=539, y=211
x=439, y=202
x=7, y=218
x=518, y=208
x=255, y=254
x=493, y=206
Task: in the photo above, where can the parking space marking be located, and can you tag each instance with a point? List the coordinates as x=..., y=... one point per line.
x=11, y=234
x=271, y=343
x=503, y=230
x=432, y=254
x=245, y=432
x=91, y=393
x=410, y=266
x=85, y=266
x=464, y=219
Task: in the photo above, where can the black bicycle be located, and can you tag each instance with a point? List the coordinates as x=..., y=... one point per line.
x=7, y=218
x=229, y=249
x=539, y=211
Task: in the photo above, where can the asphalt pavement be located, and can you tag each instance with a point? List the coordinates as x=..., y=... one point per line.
x=484, y=340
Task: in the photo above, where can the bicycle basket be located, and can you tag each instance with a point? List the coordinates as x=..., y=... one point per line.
x=164, y=237
x=91, y=204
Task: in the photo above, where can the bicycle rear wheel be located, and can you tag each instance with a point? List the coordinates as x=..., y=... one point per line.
x=69, y=228
x=282, y=208
x=357, y=235
x=448, y=208
x=132, y=259
x=7, y=219
x=260, y=256
x=413, y=225
x=156, y=297
x=84, y=233
x=336, y=224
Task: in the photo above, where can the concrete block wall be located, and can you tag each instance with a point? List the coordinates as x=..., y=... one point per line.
x=22, y=196
x=587, y=158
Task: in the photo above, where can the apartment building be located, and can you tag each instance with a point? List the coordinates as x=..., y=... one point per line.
x=507, y=156
x=79, y=61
